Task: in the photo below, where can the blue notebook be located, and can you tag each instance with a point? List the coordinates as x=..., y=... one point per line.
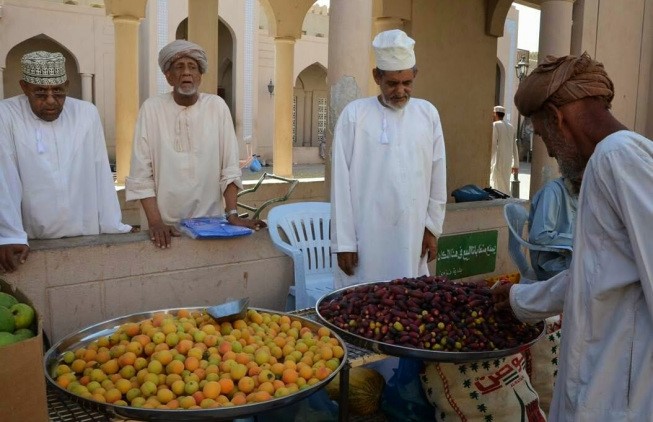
x=211, y=228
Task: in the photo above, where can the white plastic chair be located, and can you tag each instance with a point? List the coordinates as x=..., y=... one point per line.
x=517, y=218
x=307, y=230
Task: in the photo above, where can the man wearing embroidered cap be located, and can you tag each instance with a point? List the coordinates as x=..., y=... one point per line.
x=55, y=179
x=606, y=296
x=505, y=154
x=185, y=153
x=388, y=190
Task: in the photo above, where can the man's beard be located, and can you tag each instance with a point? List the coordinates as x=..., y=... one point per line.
x=187, y=92
x=387, y=102
x=570, y=162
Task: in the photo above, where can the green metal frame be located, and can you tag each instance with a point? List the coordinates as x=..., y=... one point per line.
x=257, y=210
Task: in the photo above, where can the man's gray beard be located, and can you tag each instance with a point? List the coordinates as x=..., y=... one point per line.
x=393, y=106
x=187, y=93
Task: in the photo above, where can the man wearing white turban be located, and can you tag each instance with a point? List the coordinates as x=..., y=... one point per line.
x=55, y=179
x=388, y=191
x=505, y=155
x=185, y=153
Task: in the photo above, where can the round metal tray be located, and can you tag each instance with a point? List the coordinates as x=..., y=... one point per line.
x=411, y=352
x=89, y=334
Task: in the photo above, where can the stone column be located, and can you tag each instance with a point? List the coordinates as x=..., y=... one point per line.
x=126, y=37
x=203, y=30
x=307, y=141
x=87, y=87
x=2, y=83
x=555, y=39
x=350, y=68
x=283, y=92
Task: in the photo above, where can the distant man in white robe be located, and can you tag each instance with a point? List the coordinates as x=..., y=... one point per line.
x=55, y=179
x=505, y=153
x=185, y=153
x=388, y=190
x=606, y=296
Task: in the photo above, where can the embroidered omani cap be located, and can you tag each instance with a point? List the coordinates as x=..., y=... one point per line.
x=499, y=109
x=44, y=68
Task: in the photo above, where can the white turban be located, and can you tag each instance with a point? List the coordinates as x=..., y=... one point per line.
x=394, y=50
x=499, y=109
x=182, y=48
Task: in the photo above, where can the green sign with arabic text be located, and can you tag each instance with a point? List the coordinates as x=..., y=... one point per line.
x=464, y=255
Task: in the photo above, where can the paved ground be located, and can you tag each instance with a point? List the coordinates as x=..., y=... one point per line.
x=317, y=170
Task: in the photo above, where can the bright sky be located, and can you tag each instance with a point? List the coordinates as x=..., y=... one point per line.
x=529, y=26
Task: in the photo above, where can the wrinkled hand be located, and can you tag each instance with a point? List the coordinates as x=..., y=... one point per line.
x=429, y=245
x=161, y=235
x=347, y=261
x=235, y=220
x=11, y=256
x=501, y=295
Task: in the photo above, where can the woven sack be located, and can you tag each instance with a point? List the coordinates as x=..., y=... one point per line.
x=496, y=390
x=542, y=361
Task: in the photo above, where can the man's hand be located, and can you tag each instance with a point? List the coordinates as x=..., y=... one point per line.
x=347, y=261
x=429, y=245
x=501, y=295
x=235, y=220
x=515, y=170
x=161, y=234
x=8, y=254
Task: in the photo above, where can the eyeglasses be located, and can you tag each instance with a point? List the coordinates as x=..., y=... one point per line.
x=42, y=95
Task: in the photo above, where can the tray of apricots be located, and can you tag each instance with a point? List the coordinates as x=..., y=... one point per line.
x=182, y=365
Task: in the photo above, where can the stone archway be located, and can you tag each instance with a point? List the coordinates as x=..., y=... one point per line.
x=13, y=73
x=310, y=107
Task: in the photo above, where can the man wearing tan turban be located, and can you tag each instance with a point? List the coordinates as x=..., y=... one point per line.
x=605, y=366
x=185, y=153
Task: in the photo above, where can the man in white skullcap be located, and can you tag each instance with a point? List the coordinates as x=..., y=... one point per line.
x=388, y=191
x=505, y=154
x=55, y=179
x=185, y=153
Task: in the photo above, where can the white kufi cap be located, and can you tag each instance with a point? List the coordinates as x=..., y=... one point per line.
x=499, y=109
x=43, y=68
x=394, y=50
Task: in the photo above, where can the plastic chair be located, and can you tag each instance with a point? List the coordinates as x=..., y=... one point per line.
x=307, y=230
x=517, y=218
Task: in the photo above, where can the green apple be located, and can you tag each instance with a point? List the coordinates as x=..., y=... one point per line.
x=7, y=320
x=23, y=315
x=23, y=333
x=6, y=339
x=7, y=300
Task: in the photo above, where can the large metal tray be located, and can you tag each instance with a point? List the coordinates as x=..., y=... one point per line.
x=410, y=352
x=89, y=334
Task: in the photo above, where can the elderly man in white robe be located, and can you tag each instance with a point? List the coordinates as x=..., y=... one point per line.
x=605, y=368
x=505, y=154
x=185, y=153
x=55, y=179
x=388, y=190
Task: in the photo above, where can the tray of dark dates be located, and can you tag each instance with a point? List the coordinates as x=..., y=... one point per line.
x=430, y=318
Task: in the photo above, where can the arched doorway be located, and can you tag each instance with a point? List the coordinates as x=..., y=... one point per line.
x=13, y=73
x=310, y=107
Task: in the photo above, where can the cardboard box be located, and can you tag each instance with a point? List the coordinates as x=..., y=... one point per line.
x=23, y=394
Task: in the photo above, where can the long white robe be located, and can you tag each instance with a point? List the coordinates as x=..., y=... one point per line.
x=55, y=179
x=388, y=185
x=606, y=358
x=505, y=155
x=184, y=156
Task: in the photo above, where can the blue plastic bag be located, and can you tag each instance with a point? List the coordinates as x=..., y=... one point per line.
x=469, y=193
x=255, y=165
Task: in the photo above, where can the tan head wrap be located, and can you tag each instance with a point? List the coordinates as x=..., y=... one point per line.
x=182, y=48
x=562, y=80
